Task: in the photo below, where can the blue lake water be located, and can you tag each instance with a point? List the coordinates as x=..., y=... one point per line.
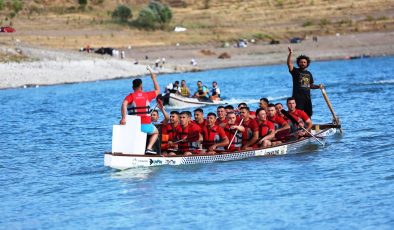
x=52, y=141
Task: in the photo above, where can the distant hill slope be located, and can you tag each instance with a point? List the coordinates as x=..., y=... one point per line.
x=62, y=24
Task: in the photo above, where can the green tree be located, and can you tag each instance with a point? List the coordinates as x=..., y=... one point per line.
x=155, y=15
x=146, y=18
x=122, y=14
x=163, y=12
x=1, y=4
x=83, y=2
x=17, y=5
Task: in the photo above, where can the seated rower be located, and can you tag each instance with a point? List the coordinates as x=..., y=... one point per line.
x=300, y=116
x=155, y=114
x=214, y=136
x=279, y=107
x=230, y=108
x=215, y=92
x=188, y=136
x=266, y=129
x=168, y=135
x=251, y=132
x=172, y=87
x=282, y=128
x=234, y=130
x=184, y=90
x=199, y=117
x=252, y=114
x=202, y=92
x=264, y=103
x=221, y=116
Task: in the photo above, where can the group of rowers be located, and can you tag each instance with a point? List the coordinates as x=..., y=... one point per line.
x=202, y=92
x=229, y=129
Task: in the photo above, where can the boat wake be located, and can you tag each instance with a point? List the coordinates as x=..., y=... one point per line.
x=380, y=82
x=233, y=101
x=236, y=101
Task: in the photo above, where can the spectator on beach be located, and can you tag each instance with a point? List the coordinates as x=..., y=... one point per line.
x=302, y=82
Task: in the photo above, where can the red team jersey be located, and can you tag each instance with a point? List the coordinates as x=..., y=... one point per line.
x=299, y=114
x=265, y=128
x=277, y=120
x=191, y=134
x=212, y=135
x=251, y=126
x=140, y=102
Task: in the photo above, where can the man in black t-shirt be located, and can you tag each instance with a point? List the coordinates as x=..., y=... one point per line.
x=302, y=82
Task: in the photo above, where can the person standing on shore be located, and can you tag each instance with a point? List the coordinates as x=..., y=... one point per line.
x=140, y=101
x=302, y=82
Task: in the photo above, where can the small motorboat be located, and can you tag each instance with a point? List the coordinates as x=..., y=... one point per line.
x=176, y=100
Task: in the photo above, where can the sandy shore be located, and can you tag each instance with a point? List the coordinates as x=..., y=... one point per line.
x=59, y=66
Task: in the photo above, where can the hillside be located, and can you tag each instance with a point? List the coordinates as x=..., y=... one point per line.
x=62, y=24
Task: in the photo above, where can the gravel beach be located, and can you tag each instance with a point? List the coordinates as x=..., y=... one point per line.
x=63, y=66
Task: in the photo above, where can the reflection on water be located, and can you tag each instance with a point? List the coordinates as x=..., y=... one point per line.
x=133, y=174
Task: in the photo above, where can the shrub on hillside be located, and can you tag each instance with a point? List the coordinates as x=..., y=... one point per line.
x=146, y=18
x=122, y=14
x=154, y=16
x=17, y=5
x=1, y=4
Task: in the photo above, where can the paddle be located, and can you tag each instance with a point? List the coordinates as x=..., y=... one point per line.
x=236, y=131
x=336, y=119
x=284, y=112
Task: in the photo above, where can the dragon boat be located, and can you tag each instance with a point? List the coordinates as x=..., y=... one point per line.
x=128, y=146
x=122, y=159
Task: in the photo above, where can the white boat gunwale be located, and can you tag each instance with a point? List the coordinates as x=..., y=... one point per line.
x=126, y=160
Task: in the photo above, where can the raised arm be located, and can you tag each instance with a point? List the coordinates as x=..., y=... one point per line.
x=163, y=110
x=289, y=62
x=153, y=76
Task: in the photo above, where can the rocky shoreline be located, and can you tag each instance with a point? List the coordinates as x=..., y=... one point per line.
x=59, y=66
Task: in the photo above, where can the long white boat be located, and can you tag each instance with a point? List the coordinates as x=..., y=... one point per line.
x=176, y=100
x=123, y=157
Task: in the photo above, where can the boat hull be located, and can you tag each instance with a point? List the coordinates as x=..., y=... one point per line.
x=185, y=102
x=123, y=161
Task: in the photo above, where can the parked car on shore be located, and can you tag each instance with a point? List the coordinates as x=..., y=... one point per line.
x=295, y=40
x=7, y=29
